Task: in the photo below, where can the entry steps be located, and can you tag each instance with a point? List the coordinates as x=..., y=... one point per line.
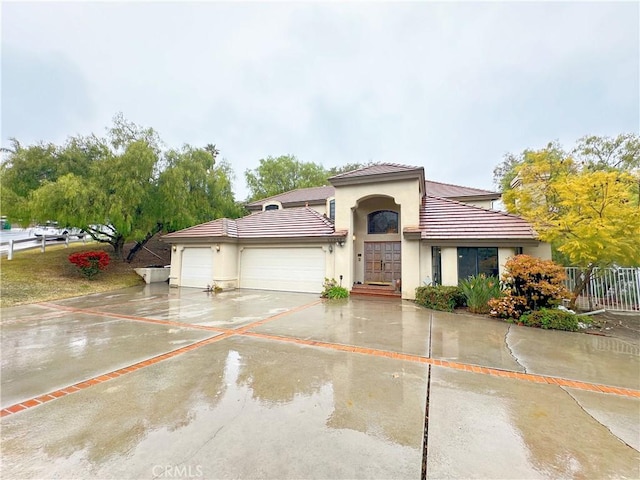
x=375, y=291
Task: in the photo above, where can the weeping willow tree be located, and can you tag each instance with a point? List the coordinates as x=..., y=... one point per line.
x=120, y=188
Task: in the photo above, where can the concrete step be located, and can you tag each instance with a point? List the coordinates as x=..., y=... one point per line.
x=375, y=291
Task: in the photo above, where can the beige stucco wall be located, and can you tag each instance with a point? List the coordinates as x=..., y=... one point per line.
x=321, y=209
x=504, y=254
x=410, y=268
x=449, y=259
x=488, y=204
x=176, y=266
x=426, y=264
x=225, y=268
x=542, y=250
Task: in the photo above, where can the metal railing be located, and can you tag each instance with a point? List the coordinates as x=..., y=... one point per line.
x=9, y=249
x=609, y=288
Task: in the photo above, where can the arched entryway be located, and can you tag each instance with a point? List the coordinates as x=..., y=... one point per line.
x=377, y=242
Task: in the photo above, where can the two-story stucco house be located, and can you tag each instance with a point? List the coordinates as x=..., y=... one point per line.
x=381, y=225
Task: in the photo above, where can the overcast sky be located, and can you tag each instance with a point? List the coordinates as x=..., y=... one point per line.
x=448, y=86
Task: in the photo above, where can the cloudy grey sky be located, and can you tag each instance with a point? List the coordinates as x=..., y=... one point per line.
x=449, y=86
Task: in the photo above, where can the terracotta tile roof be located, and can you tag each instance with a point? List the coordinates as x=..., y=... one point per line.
x=222, y=227
x=448, y=190
x=443, y=219
x=379, y=169
x=312, y=195
x=288, y=223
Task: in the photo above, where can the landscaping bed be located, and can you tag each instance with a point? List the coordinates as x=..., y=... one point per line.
x=33, y=276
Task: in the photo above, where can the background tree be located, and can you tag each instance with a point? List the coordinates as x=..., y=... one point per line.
x=119, y=188
x=282, y=174
x=588, y=209
x=347, y=167
x=604, y=153
x=200, y=186
x=276, y=175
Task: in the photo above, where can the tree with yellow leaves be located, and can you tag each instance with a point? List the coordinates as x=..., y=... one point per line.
x=591, y=216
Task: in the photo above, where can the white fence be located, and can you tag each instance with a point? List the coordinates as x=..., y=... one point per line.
x=10, y=247
x=610, y=289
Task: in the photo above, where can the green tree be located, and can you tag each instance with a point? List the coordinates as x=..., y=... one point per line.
x=506, y=171
x=282, y=174
x=200, y=186
x=277, y=175
x=121, y=188
x=347, y=167
x=605, y=153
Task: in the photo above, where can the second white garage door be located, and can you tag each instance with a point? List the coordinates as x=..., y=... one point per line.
x=197, y=267
x=286, y=269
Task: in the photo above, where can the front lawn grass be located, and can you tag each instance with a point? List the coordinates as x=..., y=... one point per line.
x=33, y=276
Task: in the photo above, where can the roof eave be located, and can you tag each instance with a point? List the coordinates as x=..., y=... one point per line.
x=481, y=242
x=205, y=239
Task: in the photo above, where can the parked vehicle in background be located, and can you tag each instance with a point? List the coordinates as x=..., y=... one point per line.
x=101, y=232
x=52, y=229
x=4, y=223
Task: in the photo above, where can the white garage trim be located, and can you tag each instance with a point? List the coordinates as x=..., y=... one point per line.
x=292, y=269
x=197, y=267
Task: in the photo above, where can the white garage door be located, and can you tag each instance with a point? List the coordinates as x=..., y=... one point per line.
x=197, y=267
x=287, y=269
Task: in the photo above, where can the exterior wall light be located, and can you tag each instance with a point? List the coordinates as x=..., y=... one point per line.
x=218, y=248
x=330, y=248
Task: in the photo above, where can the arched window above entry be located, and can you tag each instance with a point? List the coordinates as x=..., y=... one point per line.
x=272, y=206
x=382, y=221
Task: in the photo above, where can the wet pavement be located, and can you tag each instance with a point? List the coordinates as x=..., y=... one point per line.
x=153, y=382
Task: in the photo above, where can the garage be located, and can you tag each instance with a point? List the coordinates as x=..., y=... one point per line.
x=197, y=267
x=287, y=269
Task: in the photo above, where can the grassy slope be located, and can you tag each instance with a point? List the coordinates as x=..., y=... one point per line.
x=33, y=276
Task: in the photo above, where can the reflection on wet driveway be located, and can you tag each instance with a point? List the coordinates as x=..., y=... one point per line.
x=252, y=410
x=250, y=384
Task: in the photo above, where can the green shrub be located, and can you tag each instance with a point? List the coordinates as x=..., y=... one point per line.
x=331, y=289
x=530, y=284
x=550, y=319
x=440, y=297
x=478, y=290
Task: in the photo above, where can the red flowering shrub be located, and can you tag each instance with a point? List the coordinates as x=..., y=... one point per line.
x=530, y=284
x=90, y=263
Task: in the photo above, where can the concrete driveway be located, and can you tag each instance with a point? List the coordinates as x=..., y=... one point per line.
x=152, y=382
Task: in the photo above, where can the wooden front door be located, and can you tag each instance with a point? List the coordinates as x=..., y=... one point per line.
x=382, y=262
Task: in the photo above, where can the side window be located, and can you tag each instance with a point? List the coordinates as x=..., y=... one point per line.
x=436, y=255
x=474, y=261
x=382, y=221
x=332, y=209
